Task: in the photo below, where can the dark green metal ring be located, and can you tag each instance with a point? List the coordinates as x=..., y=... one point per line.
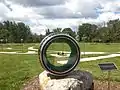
x=72, y=61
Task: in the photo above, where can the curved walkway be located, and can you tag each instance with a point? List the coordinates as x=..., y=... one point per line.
x=31, y=50
x=93, y=58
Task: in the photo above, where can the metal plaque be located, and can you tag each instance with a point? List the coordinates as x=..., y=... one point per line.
x=107, y=66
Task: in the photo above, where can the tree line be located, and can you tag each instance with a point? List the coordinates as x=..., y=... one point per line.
x=108, y=33
x=13, y=32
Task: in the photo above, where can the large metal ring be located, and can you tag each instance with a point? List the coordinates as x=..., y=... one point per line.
x=73, y=59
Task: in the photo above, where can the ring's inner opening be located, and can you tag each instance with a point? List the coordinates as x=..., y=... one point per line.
x=58, y=52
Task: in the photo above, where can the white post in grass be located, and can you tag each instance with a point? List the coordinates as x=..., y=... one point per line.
x=22, y=44
x=84, y=38
x=6, y=40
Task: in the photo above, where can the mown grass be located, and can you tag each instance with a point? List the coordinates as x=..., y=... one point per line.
x=88, y=47
x=19, y=47
x=17, y=69
x=100, y=47
x=92, y=55
x=92, y=66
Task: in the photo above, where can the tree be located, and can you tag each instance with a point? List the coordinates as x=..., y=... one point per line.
x=4, y=34
x=17, y=31
x=104, y=34
x=47, y=32
x=57, y=30
x=69, y=31
x=87, y=30
x=114, y=26
x=1, y=25
x=22, y=31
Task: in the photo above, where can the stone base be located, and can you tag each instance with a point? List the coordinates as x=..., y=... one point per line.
x=76, y=80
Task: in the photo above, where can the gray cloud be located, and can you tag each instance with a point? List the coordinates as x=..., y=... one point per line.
x=63, y=12
x=57, y=12
x=57, y=9
x=84, y=9
x=38, y=3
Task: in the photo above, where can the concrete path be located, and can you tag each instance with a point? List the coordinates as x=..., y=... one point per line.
x=99, y=57
x=29, y=52
x=82, y=53
x=93, y=58
x=8, y=52
x=86, y=53
x=32, y=49
x=9, y=48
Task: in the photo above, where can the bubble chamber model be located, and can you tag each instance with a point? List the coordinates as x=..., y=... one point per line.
x=73, y=59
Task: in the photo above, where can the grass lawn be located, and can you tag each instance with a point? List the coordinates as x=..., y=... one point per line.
x=92, y=66
x=15, y=47
x=88, y=47
x=92, y=55
x=100, y=47
x=17, y=69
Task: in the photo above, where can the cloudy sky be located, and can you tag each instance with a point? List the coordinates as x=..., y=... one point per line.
x=43, y=14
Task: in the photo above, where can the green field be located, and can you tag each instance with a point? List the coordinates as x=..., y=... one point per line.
x=15, y=47
x=17, y=69
x=89, y=47
x=100, y=47
x=92, y=66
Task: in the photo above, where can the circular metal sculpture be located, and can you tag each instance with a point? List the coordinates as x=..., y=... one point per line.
x=59, y=54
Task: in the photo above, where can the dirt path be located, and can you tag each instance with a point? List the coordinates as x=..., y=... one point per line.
x=33, y=84
x=103, y=85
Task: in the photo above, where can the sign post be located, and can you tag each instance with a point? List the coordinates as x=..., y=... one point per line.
x=108, y=67
x=109, y=80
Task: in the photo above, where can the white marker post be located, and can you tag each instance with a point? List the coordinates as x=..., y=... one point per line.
x=22, y=44
x=6, y=41
x=84, y=38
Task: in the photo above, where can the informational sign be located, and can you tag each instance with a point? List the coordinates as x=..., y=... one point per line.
x=107, y=66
